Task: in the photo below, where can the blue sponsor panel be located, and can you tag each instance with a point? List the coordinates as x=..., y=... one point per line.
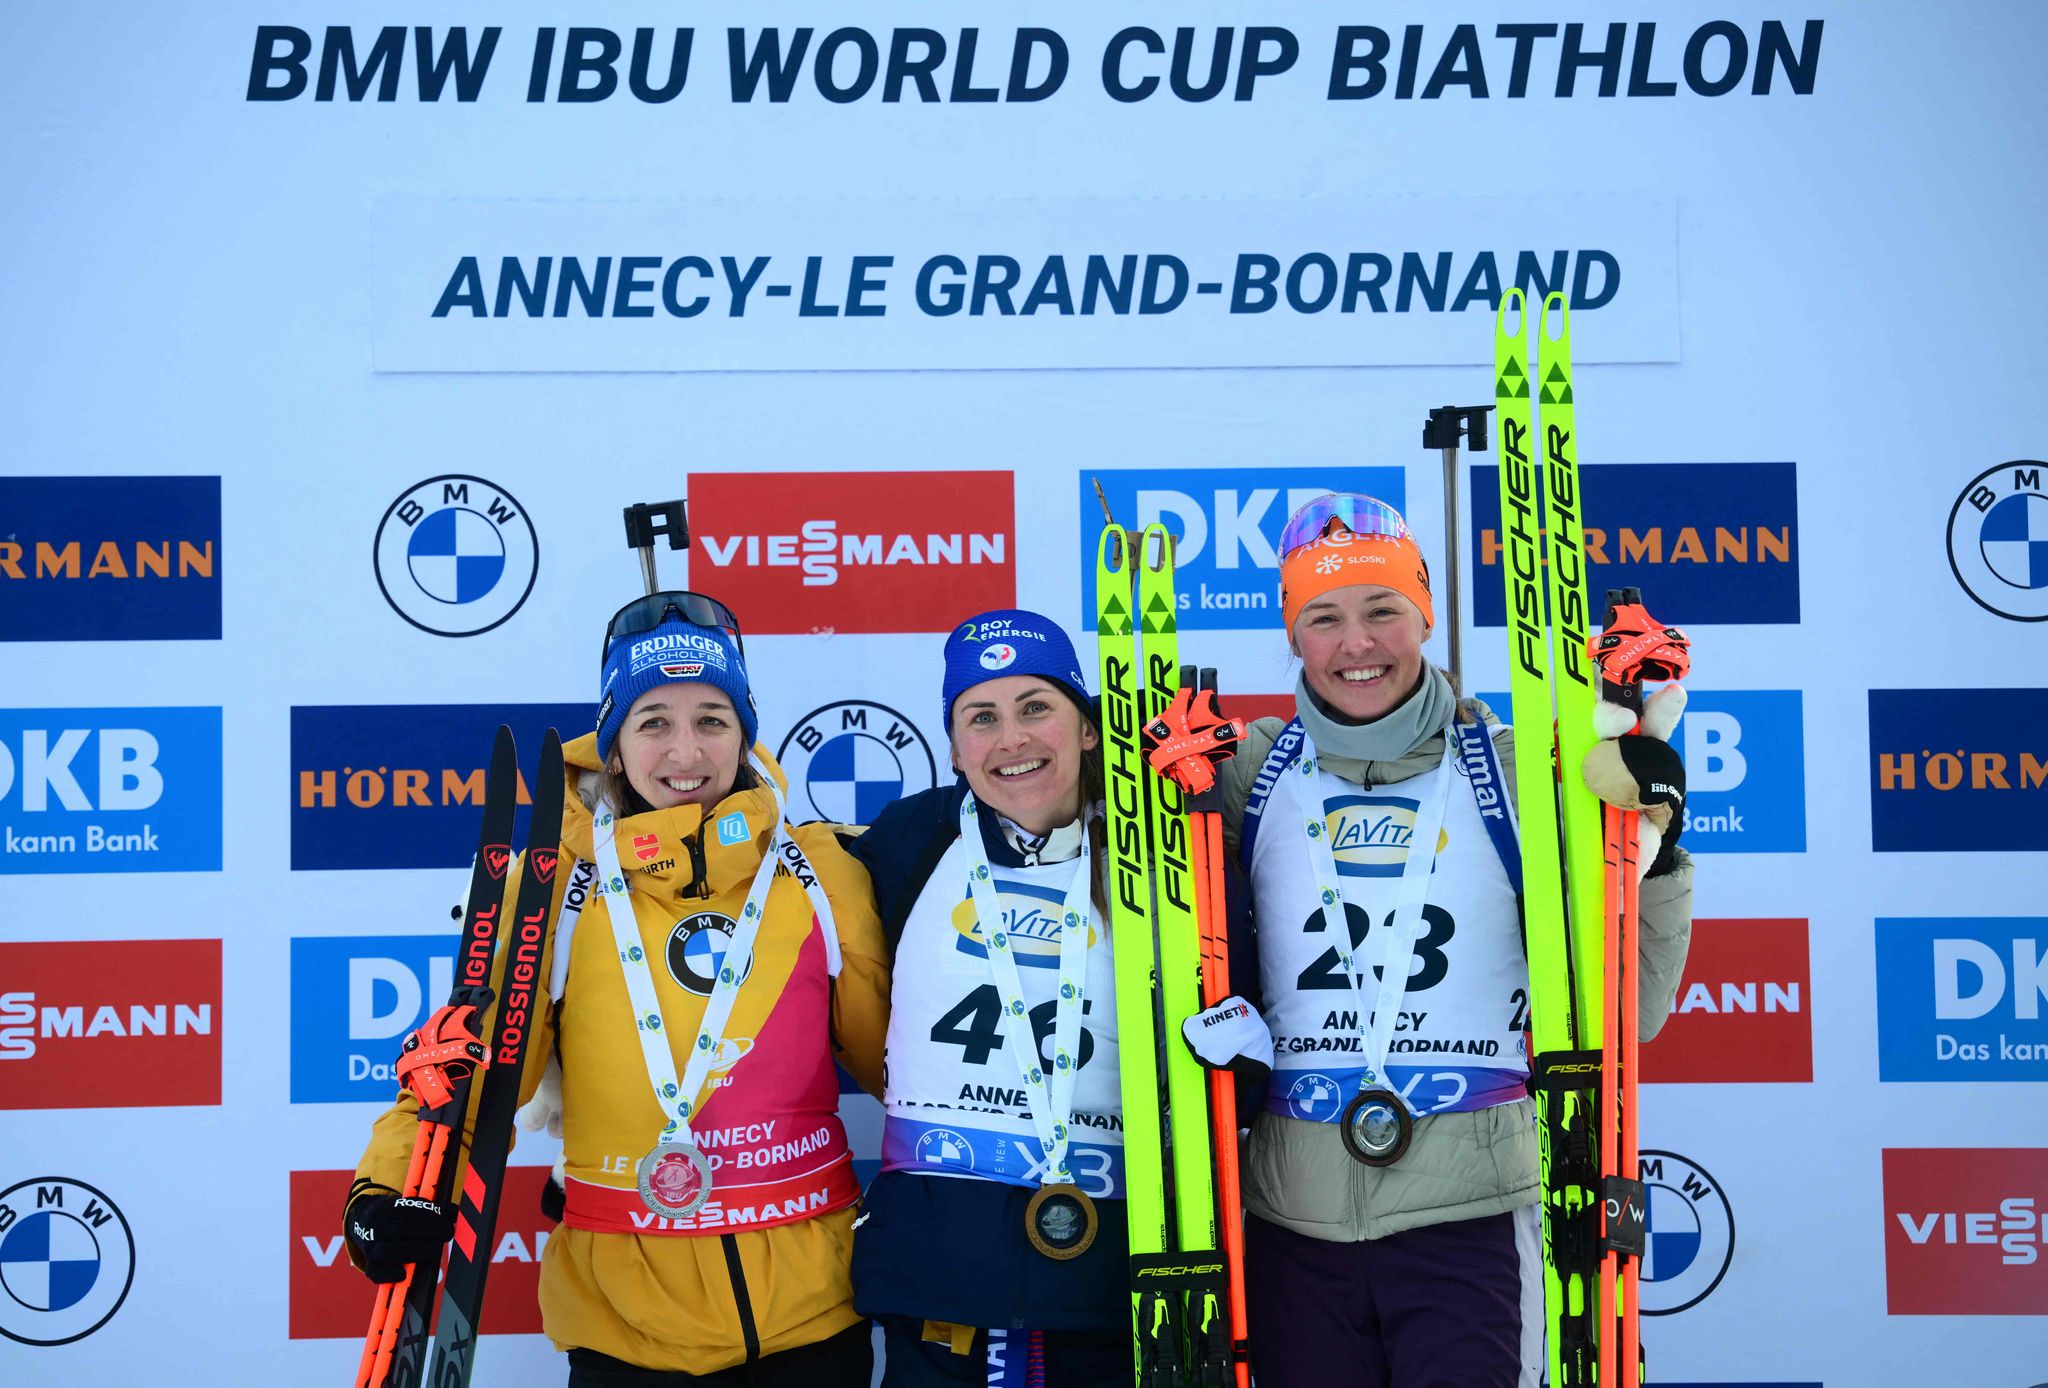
x=1962, y=998
x=1745, y=769
x=110, y=790
x=1958, y=770
x=354, y=1001
x=1228, y=523
x=1706, y=542
x=402, y=785
x=110, y=559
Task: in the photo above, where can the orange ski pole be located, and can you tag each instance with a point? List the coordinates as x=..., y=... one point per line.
x=1632, y=647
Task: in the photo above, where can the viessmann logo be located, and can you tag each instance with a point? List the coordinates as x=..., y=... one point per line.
x=1743, y=1008
x=329, y=1299
x=1965, y=1230
x=1712, y=542
x=854, y=551
x=109, y=558
x=109, y=1023
x=402, y=785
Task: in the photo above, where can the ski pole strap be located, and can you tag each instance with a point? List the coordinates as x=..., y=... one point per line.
x=1481, y=764
x=445, y=1049
x=1191, y=738
x=1286, y=748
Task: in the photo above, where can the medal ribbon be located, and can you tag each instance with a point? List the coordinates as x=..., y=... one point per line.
x=1396, y=947
x=1051, y=1105
x=678, y=1099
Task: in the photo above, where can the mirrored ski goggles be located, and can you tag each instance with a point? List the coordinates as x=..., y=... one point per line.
x=1362, y=515
x=643, y=615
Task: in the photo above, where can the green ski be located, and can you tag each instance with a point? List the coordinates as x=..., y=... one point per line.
x=1561, y=831
x=1180, y=1334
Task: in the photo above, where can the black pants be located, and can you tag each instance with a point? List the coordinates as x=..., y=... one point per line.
x=847, y=1360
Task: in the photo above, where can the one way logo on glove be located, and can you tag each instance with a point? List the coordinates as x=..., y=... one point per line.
x=842, y=552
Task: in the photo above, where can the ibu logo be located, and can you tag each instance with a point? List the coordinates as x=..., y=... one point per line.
x=1227, y=524
x=1962, y=999
x=110, y=790
x=1745, y=769
x=354, y=1001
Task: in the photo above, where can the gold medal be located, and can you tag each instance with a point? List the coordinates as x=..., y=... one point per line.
x=1061, y=1221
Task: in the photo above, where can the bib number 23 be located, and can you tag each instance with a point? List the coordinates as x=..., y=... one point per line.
x=1427, y=967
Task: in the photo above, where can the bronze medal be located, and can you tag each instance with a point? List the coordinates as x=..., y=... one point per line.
x=1376, y=1127
x=1061, y=1221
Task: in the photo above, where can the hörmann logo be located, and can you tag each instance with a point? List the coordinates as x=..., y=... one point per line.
x=109, y=1023
x=1964, y=1231
x=109, y=558
x=389, y=786
x=1962, y=998
x=1743, y=1012
x=842, y=551
x=109, y=790
x=1958, y=770
x=1227, y=524
x=1714, y=542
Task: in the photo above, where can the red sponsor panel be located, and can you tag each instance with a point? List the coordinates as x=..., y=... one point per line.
x=1253, y=707
x=1966, y=1231
x=331, y=1300
x=854, y=551
x=109, y=1023
x=1743, y=1012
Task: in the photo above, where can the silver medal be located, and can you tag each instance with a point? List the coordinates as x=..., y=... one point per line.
x=675, y=1179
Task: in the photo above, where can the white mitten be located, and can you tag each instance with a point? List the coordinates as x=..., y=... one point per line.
x=1642, y=772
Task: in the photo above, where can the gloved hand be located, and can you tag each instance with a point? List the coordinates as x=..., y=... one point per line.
x=1233, y=1036
x=388, y=1232
x=1642, y=773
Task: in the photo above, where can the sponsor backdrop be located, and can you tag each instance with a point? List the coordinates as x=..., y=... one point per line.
x=350, y=334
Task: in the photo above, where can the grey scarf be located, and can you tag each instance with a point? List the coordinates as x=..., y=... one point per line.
x=1418, y=718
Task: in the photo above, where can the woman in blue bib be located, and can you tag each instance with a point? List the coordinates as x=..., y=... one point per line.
x=993, y=1242
x=1390, y=1183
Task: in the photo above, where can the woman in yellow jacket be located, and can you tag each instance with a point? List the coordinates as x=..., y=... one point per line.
x=720, y=963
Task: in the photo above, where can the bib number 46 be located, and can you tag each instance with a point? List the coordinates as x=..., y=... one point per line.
x=975, y=1025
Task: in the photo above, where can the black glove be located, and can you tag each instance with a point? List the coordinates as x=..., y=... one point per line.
x=553, y=1199
x=1233, y=1036
x=388, y=1232
x=1643, y=772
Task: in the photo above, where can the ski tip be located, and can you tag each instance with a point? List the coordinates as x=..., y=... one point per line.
x=1156, y=552
x=1513, y=301
x=1555, y=302
x=1115, y=550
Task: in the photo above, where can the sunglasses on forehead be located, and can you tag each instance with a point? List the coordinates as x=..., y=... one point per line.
x=643, y=615
x=1362, y=515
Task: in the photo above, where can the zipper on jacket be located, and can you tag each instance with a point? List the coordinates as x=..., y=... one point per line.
x=741, y=1301
x=700, y=883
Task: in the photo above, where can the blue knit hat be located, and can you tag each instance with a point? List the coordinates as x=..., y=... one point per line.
x=1013, y=642
x=676, y=652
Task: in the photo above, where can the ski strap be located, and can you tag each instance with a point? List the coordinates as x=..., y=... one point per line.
x=1481, y=761
x=1395, y=950
x=1052, y=1105
x=1286, y=748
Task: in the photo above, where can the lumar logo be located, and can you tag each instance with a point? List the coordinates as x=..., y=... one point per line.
x=1716, y=542
x=856, y=551
x=109, y=559
x=1958, y=770
x=401, y=785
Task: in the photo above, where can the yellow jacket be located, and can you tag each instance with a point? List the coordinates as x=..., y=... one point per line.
x=699, y=1302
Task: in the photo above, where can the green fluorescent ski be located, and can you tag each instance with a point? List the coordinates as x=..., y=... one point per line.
x=1179, y=943
x=1575, y=685
x=1130, y=899
x=1556, y=1019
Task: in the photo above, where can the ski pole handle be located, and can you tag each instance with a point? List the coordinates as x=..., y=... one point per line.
x=1634, y=646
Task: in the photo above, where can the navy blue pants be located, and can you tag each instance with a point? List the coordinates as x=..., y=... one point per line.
x=1436, y=1307
x=1073, y=1358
